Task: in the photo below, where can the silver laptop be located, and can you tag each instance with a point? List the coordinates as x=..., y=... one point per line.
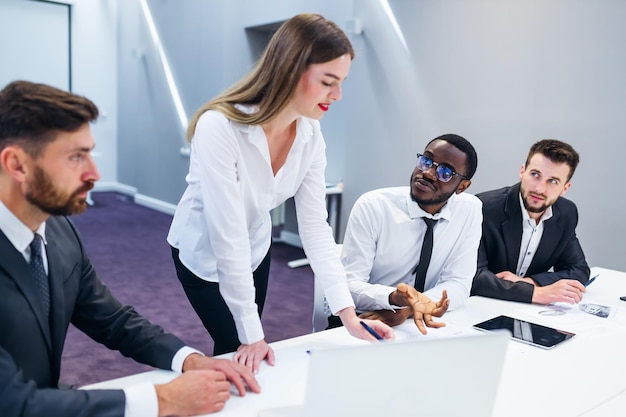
x=455, y=376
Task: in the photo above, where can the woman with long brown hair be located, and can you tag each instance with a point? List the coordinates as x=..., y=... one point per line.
x=253, y=147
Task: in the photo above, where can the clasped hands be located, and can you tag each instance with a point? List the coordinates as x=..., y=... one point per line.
x=564, y=290
x=419, y=306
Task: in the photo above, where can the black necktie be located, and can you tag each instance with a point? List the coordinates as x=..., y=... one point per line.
x=39, y=273
x=427, y=250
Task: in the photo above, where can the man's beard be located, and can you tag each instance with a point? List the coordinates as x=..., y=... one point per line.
x=438, y=199
x=531, y=209
x=43, y=194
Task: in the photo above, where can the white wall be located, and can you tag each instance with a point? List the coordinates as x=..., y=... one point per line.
x=94, y=75
x=35, y=47
x=42, y=29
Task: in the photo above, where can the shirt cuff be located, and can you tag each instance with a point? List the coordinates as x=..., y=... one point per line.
x=339, y=296
x=381, y=297
x=249, y=329
x=141, y=401
x=180, y=356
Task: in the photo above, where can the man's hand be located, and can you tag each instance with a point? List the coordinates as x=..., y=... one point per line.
x=510, y=276
x=389, y=317
x=353, y=325
x=422, y=307
x=251, y=355
x=237, y=374
x=192, y=393
x=564, y=290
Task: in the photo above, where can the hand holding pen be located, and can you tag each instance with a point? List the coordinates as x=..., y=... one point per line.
x=593, y=278
x=353, y=325
x=371, y=331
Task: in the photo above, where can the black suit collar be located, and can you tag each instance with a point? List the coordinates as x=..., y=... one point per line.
x=552, y=234
x=512, y=226
x=17, y=269
x=58, y=271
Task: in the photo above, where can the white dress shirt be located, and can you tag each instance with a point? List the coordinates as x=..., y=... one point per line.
x=222, y=225
x=141, y=399
x=383, y=242
x=531, y=237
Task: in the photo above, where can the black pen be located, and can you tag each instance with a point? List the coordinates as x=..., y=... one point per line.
x=372, y=332
x=591, y=280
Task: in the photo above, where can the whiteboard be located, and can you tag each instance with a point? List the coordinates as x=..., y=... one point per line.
x=35, y=42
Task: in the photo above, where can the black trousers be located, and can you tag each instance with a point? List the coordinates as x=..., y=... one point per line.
x=209, y=305
x=334, y=321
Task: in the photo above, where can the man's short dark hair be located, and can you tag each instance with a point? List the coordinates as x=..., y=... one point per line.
x=32, y=114
x=464, y=146
x=556, y=151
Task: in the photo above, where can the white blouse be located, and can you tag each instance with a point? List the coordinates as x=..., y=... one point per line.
x=222, y=224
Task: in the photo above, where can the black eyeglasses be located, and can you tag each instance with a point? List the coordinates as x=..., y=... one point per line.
x=444, y=172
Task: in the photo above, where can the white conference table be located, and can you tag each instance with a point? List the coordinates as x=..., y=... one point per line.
x=584, y=376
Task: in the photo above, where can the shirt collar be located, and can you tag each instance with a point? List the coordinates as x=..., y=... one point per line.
x=526, y=217
x=304, y=127
x=17, y=232
x=416, y=211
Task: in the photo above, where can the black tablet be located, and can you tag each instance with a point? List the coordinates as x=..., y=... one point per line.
x=527, y=332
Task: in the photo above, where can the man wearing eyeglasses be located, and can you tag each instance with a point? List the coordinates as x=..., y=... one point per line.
x=387, y=229
x=529, y=251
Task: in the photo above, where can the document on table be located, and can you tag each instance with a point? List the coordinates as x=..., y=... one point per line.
x=408, y=330
x=583, y=318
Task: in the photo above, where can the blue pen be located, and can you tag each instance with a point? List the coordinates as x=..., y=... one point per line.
x=372, y=332
x=591, y=280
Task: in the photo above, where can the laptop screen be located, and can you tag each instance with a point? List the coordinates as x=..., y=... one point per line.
x=429, y=377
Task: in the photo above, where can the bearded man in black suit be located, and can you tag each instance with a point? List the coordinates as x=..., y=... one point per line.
x=48, y=282
x=529, y=251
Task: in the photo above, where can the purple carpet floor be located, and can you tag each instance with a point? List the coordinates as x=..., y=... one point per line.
x=127, y=246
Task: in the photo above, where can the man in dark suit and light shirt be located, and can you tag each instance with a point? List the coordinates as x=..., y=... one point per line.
x=529, y=251
x=48, y=282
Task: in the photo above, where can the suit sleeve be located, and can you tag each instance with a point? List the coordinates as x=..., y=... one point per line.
x=19, y=398
x=571, y=264
x=119, y=327
x=487, y=284
x=568, y=262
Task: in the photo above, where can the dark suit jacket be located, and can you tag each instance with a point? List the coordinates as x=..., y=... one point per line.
x=500, y=247
x=30, y=349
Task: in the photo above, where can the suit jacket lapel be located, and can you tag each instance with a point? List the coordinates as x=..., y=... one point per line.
x=512, y=227
x=18, y=270
x=58, y=272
